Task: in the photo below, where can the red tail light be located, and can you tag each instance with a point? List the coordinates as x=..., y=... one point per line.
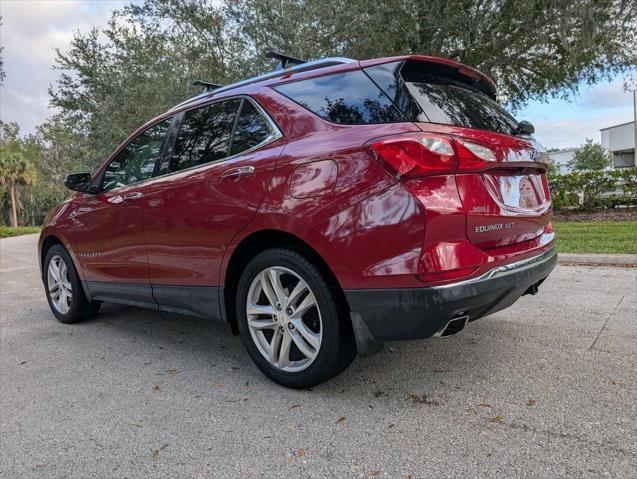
x=410, y=156
x=475, y=157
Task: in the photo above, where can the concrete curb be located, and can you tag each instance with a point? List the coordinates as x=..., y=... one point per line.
x=591, y=259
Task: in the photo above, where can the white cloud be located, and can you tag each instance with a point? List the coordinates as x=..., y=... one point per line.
x=31, y=31
x=563, y=124
x=565, y=133
x=607, y=95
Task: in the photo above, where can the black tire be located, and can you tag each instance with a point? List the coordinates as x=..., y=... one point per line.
x=80, y=308
x=337, y=349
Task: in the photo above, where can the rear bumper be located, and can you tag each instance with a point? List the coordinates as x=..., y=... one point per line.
x=380, y=315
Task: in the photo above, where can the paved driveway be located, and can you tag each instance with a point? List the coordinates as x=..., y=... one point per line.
x=547, y=388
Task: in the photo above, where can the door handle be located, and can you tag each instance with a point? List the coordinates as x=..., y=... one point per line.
x=133, y=196
x=236, y=173
x=126, y=197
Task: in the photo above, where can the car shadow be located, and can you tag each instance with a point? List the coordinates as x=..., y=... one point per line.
x=206, y=346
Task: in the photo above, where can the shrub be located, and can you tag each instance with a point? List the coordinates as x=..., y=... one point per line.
x=593, y=189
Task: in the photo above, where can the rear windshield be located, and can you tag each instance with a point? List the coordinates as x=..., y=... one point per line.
x=460, y=106
x=427, y=92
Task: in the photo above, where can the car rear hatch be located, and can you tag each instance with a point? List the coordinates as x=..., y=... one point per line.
x=500, y=175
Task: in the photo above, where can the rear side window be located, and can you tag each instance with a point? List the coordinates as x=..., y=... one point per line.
x=349, y=98
x=251, y=130
x=204, y=136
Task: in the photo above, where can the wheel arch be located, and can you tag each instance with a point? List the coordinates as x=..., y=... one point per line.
x=47, y=243
x=252, y=245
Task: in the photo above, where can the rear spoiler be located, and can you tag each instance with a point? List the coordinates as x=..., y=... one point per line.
x=444, y=67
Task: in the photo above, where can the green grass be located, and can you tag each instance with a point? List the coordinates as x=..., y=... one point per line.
x=597, y=237
x=6, y=231
x=572, y=236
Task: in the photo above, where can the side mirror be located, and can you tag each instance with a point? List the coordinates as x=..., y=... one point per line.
x=79, y=182
x=524, y=128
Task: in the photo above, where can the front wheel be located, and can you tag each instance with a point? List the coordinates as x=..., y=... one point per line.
x=292, y=320
x=64, y=289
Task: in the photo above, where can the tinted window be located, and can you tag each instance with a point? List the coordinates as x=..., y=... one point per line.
x=349, y=98
x=251, y=131
x=204, y=136
x=387, y=76
x=438, y=93
x=451, y=104
x=136, y=162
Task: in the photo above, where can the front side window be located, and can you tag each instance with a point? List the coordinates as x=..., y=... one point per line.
x=204, y=136
x=251, y=131
x=349, y=98
x=136, y=162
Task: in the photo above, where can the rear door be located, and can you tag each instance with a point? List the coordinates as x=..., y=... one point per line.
x=209, y=187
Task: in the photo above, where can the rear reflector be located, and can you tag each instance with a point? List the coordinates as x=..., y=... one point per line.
x=446, y=275
x=410, y=156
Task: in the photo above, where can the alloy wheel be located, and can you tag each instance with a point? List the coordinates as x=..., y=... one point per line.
x=284, y=319
x=60, y=289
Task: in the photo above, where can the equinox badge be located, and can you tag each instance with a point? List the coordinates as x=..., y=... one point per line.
x=493, y=227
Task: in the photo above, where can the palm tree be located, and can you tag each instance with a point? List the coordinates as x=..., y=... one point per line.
x=15, y=170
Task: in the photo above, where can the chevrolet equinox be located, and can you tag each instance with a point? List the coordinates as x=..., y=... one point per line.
x=320, y=209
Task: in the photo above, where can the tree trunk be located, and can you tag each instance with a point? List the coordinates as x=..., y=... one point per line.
x=14, y=212
x=31, y=208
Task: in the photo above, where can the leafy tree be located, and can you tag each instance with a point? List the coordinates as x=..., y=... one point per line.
x=533, y=50
x=145, y=59
x=15, y=169
x=146, y=63
x=590, y=156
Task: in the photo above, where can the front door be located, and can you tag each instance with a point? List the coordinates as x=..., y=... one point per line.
x=214, y=179
x=109, y=239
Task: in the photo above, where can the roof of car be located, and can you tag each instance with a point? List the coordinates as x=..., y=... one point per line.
x=334, y=64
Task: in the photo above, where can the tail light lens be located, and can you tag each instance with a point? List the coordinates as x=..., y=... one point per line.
x=473, y=156
x=416, y=155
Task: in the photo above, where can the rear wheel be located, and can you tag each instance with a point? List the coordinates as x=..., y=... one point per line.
x=292, y=320
x=64, y=288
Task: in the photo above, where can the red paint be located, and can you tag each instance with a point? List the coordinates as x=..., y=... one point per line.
x=314, y=179
x=322, y=184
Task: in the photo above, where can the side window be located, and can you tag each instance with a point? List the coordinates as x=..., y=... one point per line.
x=349, y=98
x=251, y=130
x=204, y=136
x=136, y=162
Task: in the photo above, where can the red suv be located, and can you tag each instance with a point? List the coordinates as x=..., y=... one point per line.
x=320, y=209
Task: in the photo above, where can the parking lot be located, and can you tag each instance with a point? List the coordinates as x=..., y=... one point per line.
x=547, y=388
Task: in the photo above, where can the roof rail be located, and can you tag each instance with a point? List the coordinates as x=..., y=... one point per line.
x=313, y=65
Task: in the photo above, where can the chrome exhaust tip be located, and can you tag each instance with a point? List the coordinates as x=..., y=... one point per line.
x=453, y=326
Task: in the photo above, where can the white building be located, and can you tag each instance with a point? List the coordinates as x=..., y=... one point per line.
x=620, y=141
x=561, y=159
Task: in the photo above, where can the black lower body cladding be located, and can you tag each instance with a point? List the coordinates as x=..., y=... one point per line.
x=402, y=314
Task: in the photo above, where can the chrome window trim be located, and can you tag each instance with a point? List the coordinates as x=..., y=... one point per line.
x=274, y=136
x=120, y=149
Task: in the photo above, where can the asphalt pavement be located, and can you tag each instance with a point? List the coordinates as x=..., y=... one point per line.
x=546, y=388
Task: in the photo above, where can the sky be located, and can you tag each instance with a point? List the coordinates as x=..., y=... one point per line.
x=32, y=29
